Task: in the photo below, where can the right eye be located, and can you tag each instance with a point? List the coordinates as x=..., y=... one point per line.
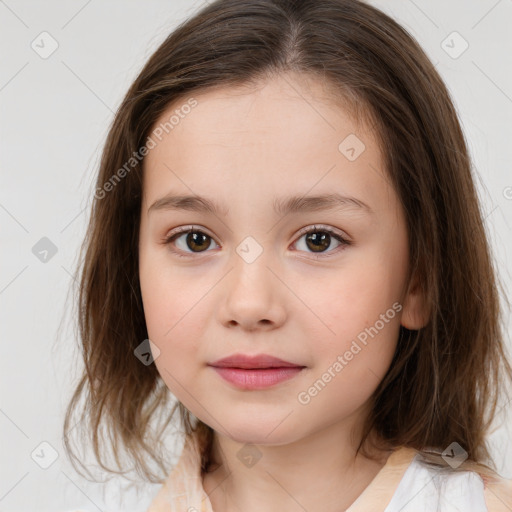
x=188, y=241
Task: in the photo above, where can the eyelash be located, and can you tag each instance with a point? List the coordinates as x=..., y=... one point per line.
x=305, y=231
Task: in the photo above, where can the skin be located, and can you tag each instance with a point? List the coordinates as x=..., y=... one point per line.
x=242, y=147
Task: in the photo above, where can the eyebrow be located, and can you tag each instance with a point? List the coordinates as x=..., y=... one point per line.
x=282, y=206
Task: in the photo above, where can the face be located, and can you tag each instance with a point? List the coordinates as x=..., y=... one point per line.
x=320, y=285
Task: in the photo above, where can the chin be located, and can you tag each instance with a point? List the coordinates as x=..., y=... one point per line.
x=272, y=432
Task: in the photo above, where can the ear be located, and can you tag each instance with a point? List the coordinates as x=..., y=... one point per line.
x=416, y=311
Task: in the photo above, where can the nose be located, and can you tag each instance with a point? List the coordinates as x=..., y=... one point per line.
x=254, y=299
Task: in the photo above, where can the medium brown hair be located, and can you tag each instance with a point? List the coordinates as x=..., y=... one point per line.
x=444, y=381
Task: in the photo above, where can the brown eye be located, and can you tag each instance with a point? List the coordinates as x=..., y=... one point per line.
x=197, y=240
x=319, y=240
x=188, y=242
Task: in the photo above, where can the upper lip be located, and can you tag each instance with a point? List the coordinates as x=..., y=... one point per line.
x=247, y=362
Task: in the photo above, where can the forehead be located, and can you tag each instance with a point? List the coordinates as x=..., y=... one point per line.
x=255, y=101
x=289, y=130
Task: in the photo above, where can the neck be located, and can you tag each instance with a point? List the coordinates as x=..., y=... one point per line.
x=321, y=471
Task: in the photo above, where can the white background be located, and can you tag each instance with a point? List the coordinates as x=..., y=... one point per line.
x=55, y=114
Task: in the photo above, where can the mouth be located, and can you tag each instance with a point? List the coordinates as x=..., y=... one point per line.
x=248, y=362
x=255, y=372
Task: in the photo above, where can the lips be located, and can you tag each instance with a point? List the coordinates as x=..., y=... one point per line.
x=253, y=362
x=255, y=372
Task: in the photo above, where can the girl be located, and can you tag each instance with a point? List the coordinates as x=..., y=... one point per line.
x=286, y=237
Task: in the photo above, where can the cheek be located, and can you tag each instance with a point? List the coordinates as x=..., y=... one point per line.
x=171, y=315
x=175, y=310
x=350, y=299
x=349, y=365
x=166, y=294
x=357, y=317
x=173, y=327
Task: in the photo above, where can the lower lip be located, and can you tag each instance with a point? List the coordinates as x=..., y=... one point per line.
x=257, y=379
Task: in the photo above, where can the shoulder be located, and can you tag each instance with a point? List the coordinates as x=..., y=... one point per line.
x=481, y=490
x=482, y=487
x=426, y=487
x=498, y=494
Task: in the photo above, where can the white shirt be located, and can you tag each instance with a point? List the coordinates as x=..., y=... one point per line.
x=427, y=489
x=404, y=484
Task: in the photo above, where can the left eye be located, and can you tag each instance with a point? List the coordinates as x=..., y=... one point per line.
x=320, y=239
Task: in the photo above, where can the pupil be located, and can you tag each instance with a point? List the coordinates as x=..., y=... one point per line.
x=193, y=238
x=321, y=241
